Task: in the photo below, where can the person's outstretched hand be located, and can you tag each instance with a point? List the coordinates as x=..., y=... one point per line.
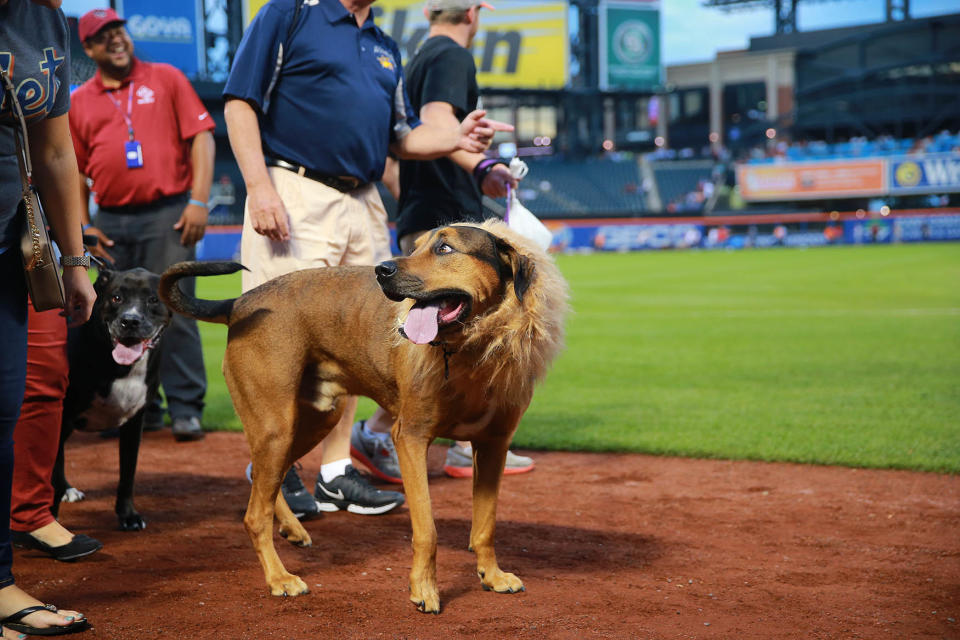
x=476, y=131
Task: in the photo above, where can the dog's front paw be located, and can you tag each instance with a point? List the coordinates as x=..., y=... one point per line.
x=426, y=598
x=132, y=522
x=72, y=494
x=288, y=585
x=500, y=581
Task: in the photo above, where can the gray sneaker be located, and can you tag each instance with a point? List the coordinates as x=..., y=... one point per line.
x=186, y=429
x=459, y=463
x=376, y=452
x=300, y=501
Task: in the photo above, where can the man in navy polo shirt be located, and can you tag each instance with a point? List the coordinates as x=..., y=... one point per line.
x=315, y=100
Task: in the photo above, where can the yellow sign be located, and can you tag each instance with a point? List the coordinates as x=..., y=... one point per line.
x=524, y=44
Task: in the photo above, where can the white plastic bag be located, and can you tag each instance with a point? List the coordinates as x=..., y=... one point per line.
x=518, y=217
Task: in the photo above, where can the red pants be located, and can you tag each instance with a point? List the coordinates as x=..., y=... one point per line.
x=37, y=434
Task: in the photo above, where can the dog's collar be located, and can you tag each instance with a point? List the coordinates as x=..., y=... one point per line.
x=446, y=357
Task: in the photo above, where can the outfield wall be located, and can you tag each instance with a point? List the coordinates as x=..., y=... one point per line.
x=727, y=232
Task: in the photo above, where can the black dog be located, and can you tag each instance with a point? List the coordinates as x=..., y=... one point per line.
x=114, y=372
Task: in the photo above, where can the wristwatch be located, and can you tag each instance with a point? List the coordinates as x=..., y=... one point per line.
x=75, y=261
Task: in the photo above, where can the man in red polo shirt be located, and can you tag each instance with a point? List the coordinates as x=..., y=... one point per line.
x=144, y=139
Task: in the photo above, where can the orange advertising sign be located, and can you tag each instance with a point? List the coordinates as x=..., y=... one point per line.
x=811, y=180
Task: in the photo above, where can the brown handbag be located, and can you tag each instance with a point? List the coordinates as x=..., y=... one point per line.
x=44, y=282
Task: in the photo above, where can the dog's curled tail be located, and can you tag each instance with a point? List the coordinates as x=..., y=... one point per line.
x=187, y=305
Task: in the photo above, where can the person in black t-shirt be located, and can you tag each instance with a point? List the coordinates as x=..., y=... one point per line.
x=442, y=85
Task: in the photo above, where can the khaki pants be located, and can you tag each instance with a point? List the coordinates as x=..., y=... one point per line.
x=327, y=229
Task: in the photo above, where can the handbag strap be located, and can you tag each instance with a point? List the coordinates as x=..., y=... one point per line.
x=23, y=148
x=26, y=171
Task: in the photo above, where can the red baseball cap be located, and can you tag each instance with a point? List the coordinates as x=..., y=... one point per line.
x=94, y=21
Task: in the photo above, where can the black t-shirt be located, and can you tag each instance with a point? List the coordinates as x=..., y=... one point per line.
x=438, y=192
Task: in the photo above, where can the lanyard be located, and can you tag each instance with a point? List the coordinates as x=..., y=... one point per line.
x=126, y=116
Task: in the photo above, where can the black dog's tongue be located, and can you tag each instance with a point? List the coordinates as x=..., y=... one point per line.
x=123, y=354
x=421, y=326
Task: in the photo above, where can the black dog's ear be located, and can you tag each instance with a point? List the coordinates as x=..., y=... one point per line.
x=104, y=276
x=519, y=265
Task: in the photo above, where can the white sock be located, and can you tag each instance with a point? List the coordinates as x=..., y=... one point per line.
x=331, y=470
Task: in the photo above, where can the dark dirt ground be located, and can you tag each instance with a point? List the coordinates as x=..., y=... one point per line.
x=608, y=546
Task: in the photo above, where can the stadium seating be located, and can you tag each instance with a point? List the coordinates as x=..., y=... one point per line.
x=857, y=148
x=601, y=187
x=675, y=180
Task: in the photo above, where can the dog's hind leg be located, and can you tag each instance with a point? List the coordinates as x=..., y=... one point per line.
x=269, y=465
x=412, y=453
x=268, y=424
x=312, y=426
x=489, y=457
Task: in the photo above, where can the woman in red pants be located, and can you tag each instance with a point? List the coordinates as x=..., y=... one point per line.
x=36, y=439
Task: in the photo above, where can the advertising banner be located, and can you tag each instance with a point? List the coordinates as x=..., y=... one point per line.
x=929, y=173
x=812, y=180
x=523, y=44
x=166, y=31
x=629, y=44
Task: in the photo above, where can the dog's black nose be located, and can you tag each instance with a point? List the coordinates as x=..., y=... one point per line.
x=130, y=321
x=386, y=269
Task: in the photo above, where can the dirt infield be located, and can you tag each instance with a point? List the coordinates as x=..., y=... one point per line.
x=608, y=546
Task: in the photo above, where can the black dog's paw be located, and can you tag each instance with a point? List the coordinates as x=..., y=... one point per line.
x=132, y=522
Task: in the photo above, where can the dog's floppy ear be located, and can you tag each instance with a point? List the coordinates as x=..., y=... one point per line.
x=519, y=265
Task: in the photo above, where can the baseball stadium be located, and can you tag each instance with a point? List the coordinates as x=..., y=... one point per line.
x=753, y=427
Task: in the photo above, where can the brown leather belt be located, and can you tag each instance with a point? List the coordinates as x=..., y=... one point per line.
x=344, y=184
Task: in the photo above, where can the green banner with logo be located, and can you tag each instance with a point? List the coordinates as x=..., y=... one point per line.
x=630, y=45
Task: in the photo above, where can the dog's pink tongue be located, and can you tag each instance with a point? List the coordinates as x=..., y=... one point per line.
x=122, y=354
x=421, y=325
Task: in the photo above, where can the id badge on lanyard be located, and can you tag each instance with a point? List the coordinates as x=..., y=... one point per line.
x=132, y=149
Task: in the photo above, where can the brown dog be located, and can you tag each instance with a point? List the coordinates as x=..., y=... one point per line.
x=469, y=323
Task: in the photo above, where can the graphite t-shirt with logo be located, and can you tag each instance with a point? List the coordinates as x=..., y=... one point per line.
x=34, y=50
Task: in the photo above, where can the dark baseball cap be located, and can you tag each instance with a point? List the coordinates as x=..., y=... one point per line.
x=453, y=5
x=93, y=21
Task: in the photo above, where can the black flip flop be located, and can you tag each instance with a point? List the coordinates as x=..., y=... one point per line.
x=81, y=545
x=13, y=623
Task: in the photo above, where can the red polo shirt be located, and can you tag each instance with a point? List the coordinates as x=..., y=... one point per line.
x=166, y=114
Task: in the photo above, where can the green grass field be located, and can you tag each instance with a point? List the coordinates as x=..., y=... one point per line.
x=839, y=355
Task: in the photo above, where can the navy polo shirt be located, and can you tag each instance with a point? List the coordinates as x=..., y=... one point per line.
x=330, y=94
